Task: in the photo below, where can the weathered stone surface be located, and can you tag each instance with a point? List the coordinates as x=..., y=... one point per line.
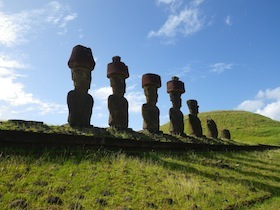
x=175, y=88
x=81, y=57
x=175, y=85
x=150, y=112
x=193, y=107
x=212, y=129
x=194, y=122
x=80, y=106
x=79, y=102
x=117, y=67
x=225, y=134
x=151, y=80
x=117, y=72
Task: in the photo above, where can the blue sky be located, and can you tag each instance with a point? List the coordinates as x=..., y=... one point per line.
x=226, y=52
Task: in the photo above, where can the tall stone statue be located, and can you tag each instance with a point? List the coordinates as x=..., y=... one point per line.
x=176, y=88
x=150, y=112
x=212, y=129
x=117, y=72
x=194, y=122
x=79, y=102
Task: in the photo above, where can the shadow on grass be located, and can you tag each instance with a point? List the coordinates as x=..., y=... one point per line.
x=254, y=181
x=172, y=161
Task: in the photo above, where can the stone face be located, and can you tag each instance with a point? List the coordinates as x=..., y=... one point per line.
x=117, y=72
x=175, y=88
x=194, y=122
x=193, y=107
x=212, y=129
x=79, y=102
x=150, y=112
x=225, y=134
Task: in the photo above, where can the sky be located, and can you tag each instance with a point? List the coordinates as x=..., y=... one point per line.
x=227, y=53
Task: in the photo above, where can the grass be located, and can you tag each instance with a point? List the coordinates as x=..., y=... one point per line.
x=109, y=132
x=116, y=180
x=78, y=178
x=245, y=127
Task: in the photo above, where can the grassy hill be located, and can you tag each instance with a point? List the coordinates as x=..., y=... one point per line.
x=82, y=178
x=87, y=179
x=244, y=126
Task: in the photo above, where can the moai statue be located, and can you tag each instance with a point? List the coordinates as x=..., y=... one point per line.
x=176, y=88
x=79, y=102
x=212, y=129
x=194, y=122
x=117, y=72
x=150, y=112
x=225, y=134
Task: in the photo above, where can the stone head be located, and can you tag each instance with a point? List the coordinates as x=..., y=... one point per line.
x=150, y=84
x=193, y=107
x=81, y=78
x=151, y=94
x=176, y=100
x=81, y=63
x=81, y=57
x=117, y=72
x=117, y=82
x=175, y=88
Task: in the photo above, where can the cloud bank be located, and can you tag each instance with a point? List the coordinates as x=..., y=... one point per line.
x=265, y=102
x=14, y=31
x=15, y=27
x=13, y=97
x=184, y=19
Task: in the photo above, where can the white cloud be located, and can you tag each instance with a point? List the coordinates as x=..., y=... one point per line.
x=187, y=21
x=102, y=93
x=270, y=94
x=135, y=100
x=220, y=67
x=228, y=20
x=15, y=27
x=271, y=110
x=165, y=1
x=172, y=5
x=13, y=95
x=266, y=103
x=179, y=72
x=250, y=105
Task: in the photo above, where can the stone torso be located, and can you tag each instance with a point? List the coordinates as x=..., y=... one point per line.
x=176, y=121
x=80, y=108
x=118, y=108
x=195, y=126
x=150, y=115
x=212, y=129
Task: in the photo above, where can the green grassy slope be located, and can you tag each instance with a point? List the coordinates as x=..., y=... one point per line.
x=100, y=179
x=244, y=126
